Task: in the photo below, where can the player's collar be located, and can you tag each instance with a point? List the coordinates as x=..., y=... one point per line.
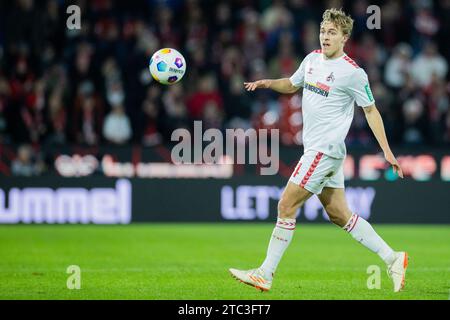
x=332, y=60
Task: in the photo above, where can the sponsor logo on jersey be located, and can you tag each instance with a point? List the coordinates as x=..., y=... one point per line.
x=318, y=88
x=323, y=86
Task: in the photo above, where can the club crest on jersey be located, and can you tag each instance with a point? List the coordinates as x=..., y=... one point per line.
x=318, y=88
x=310, y=70
x=330, y=77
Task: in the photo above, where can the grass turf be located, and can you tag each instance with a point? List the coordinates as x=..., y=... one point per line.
x=191, y=261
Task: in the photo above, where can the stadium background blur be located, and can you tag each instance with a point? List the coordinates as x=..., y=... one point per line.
x=92, y=86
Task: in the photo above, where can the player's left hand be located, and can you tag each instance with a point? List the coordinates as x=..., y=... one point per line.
x=395, y=165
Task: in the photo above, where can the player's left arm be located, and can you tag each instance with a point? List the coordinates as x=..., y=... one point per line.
x=359, y=89
x=375, y=122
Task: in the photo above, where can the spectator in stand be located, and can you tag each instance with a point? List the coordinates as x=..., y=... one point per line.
x=276, y=20
x=398, y=66
x=33, y=112
x=207, y=92
x=88, y=115
x=250, y=37
x=111, y=74
x=57, y=118
x=175, y=110
x=426, y=25
x=238, y=104
x=83, y=68
x=285, y=63
x=26, y=164
x=310, y=36
x=212, y=115
x=231, y=63
x=427, y=63
x=151, y=108
x=117, y=127
x=415, y=124
x=115, y=95
x=437, y=101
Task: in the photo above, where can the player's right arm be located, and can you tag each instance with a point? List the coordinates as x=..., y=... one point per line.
x=284, y=85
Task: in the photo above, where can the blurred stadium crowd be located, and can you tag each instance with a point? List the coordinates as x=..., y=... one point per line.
x=92, y=86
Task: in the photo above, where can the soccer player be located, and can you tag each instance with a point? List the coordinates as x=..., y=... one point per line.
x=331, y=82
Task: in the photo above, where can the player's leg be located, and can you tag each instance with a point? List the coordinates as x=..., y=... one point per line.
x=335, y=204
x=300, y=187
x=292, y=198
x=306, y=180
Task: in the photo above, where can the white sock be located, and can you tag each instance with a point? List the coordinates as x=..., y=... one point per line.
x=280, y=240
x=363, y=232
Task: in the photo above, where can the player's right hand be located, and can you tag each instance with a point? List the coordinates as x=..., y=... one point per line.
x=260, y=84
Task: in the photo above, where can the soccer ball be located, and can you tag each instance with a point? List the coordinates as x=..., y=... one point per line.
x=167, y=66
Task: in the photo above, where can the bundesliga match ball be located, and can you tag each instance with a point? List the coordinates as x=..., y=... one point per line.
x=167, y=66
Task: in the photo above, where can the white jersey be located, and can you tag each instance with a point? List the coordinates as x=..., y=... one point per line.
x=330, y=89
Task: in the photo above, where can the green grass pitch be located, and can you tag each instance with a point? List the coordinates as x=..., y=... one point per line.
x=191, y=261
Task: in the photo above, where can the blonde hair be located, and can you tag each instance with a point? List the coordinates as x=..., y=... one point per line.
x=339, y=19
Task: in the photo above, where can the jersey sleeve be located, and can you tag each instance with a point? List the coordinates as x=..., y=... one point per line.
x=298, y=78
x=359, y=89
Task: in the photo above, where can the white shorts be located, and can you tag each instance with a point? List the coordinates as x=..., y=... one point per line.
x=316, y=170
